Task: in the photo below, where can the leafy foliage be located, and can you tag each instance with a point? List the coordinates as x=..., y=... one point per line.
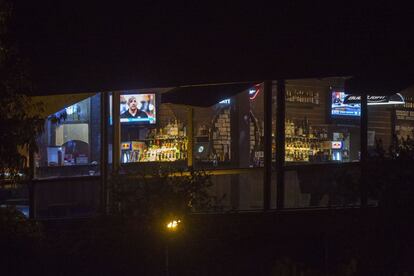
x=15, y=226
x=19, y=122
x=391, y=182
x=346, y=190
x=21, y=241
x=390, y=177
x=161, y=194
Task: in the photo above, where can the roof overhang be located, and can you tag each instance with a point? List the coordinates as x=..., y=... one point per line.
x=52, y=104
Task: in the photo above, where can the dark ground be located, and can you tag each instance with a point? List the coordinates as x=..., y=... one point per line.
x=317, y=242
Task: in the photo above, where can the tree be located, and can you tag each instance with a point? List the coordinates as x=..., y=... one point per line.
x=20, y=123
x=153, y=196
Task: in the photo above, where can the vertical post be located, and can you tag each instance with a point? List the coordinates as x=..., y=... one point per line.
x=116, y=142
x=235, y=154
x=31, y=183
x=190, y=137
x=167, y=260
x=280, y=143
x=364, y=149
x=104, y=152
x=267, y=90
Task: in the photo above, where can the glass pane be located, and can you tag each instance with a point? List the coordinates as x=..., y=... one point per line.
x=256, y=125
x=159, y=136
x=67, y=198
x=321, y=125
x=241, y=191
x=324, y=185
x=15, y=195
x=70, y=144
x=230, y=133
x=212, y=136
x=390, y=137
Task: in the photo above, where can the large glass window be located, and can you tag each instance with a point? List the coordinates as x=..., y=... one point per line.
x=152, y=133
x=322, y=128
x=70, y=144
x=390, y=123
x=212, y=135
x=230, y=133
x=390, y=137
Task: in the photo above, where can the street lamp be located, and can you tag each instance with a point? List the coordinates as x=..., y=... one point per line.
x=172, y=226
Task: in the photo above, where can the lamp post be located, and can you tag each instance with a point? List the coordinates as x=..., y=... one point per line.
x=172, y=227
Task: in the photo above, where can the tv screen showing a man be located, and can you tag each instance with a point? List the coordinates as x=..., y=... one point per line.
x=138, y=108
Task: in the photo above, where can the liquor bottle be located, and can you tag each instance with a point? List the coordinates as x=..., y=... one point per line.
x=300, y=130
x=307, y=126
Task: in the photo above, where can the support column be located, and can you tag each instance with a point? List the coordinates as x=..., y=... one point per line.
x=267, y=90
x=104, y=152
x=364, y=149
x=116, y=142
x=190, y=137
x=31, y=185
x=280, y=143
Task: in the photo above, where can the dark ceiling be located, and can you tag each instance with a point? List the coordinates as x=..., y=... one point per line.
x=80, y=47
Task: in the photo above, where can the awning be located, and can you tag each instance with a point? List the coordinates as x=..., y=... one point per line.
x=52, y=104
x=378, y=84
x=204, y=95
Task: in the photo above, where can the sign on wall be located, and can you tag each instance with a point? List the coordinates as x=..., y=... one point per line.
x=375, y=100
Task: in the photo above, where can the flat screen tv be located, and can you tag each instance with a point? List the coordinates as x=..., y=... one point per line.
x=137, y=109
x=342, y=108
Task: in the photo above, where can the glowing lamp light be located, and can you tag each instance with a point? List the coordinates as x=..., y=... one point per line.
x=226, y=101
x=173, y=225
x=253, y=92
x=72, y=109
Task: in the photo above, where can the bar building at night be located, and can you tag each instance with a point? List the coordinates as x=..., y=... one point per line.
x=268, y=145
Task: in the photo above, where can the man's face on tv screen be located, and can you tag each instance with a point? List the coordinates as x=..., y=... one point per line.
x=132, y=103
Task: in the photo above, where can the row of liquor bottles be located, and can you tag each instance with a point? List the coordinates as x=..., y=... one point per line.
x=409, y=102
x=155, y=150
x=167, y=149
x=173, y=128
x=305, y=142
x=307, y=150
x=167, y=143
x=302, y=96
x=302, y=128
x=163, y=154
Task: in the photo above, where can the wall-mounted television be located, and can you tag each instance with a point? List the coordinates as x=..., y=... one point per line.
x=137, y=109
x=342, y=108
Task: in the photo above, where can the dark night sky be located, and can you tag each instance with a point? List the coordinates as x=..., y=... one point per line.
x=87, y=47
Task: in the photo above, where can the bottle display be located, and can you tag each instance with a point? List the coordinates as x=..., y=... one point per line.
x=305, y=143
x=302, y=96
x=409, y=102
x=165, y=144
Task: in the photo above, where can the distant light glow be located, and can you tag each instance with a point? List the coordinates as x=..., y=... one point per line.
x=226, y=101
x=253, y=92
x=173, y=225
x=72, y=109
